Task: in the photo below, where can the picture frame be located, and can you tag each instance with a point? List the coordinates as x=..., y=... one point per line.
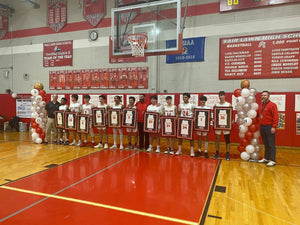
x=83, y=122
x=71, y=121
x=99, y=117
x=129, y=118
x=114, y=118
x=168, y=126
x=223, y=118
x=202, y=120
x=185, y=128
x=151, y=120
x=59, y=117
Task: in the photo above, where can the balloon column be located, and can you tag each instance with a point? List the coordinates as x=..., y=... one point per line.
x=38, y=120
x=247, y=119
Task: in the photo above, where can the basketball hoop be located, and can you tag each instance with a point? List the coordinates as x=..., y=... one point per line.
x=137, y=43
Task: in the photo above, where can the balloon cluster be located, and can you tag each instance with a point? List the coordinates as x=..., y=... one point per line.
x=247, y=119
x=38, y=120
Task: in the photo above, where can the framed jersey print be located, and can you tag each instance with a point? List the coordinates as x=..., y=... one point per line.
x=83, y=123
x=151, y=122
x=168, y=126
x=222, y=118
x=114, y=118
x=185, y=128
x=59, y=119
x=202, y=120
x=70, y=121
x=129, y=118
x=99, y=117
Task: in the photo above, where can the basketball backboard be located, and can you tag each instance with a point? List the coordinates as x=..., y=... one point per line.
x=159, y=20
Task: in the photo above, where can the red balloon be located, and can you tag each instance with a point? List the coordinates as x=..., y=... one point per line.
x=42, y=92
x=237, y=92
x=255, y=120
x=253, y=128
x=241, y=148
x=39, y=130
x=249, y=135
x=32, y=120
x=42, y=135
x=34, y=125
x=244, y=142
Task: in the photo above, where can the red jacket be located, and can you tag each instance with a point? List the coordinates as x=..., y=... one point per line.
x=268, y=114
x=141, y=108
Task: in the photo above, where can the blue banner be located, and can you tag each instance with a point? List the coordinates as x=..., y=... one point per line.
x=193, y=50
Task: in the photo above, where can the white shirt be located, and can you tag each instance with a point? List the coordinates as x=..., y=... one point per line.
x=186, y=110
x=75, y=107
x=225, y=104
x=114, y=106
x=102, y=106
x=87, y=109
x=154, y=108
x=63, y=108
x=169, y=110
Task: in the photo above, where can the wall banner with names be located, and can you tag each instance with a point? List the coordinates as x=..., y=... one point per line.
x=23, y=108
x=56, y=14
x=58, y=53
x=3, y=24
x=229, y=5
x=260, y=57
x=93, y=11
x=193, y=50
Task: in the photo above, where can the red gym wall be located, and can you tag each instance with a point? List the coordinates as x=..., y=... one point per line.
x=286, y=137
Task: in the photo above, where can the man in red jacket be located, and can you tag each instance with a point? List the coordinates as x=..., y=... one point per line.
x=268, y=118
x=143, y=136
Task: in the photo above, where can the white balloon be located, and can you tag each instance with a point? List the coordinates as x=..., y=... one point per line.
x=34, y=115
x=241, y=135
x=38, y=120
x=39, y=98
x=245, y=92
x=245, y=156
x=240, y=100
x=241, y=114
x=254, y=155
x=32, y=98
x=239, y=107
x=34, y=92
x=254, y=106
x=34, y=104
x=243, y=129
x=33, y=109
x=42, y=115
x=34, y=136
x=247, y=121
x=14, y=95
x=246, y=107
x=38, y=109
x=42, y=125
x=250, y=149
x=33, y=130
x=250, y=99
x=256, y=134
x=42, y=104
x=38, y=140
x=254, y=142
x=252, y=114
x=258, y=148
x=253, y=91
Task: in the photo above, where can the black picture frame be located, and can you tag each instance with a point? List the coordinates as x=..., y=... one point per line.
x=185, y=128
x=223, y=118
x=71, y=121
x=99, y=117
x=59, y=119
x=83, y=123
x=129, y=118
x=168, y=126
x=202, y=119
x=151, y=120
x=114, y=118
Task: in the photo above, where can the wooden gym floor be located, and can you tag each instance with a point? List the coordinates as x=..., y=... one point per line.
x=55, y=184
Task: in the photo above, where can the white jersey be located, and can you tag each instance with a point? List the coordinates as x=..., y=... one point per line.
x=75, y=107
x=87, y=109
x=114, y=106
x=154, y=108
x=63, y=108
x=186, y=110
x=225, y=104
x=169, y=110
x=102, y=106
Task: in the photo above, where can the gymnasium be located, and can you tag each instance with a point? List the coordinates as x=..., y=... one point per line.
x=171, y=52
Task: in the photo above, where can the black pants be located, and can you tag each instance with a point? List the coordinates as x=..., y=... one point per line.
x=143, y=136
x=269, y=142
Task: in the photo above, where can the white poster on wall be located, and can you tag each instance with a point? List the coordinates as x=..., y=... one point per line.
x=279, y=100
x=162, y=99
x=137, y=98
x=94, y=100
x=212, y=100
x=233, y=102
x=111, y=101
x=23, y=108
x=193, y=99
x=297, y=103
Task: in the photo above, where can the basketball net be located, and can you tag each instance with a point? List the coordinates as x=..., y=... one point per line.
x=137, y=43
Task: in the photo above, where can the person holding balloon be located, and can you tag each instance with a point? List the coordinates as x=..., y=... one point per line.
x=50, y=108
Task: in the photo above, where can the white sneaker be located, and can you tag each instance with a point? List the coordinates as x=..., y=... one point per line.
x=73, y=143
x=150, y=149
x=166, y=152
x=128, y=147
x=157, y=150
x=121, y=147
x=192, y=153
x=78, y=144
x=105, y=146
x=113, y=147
x=263, y=160
x=179, y=152
x=99, y=145
x=136, y=148
x=171, y=152
x=271, y=163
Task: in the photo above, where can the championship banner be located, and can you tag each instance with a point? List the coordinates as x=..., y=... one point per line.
x=123, y=78
x=96, y=78
x=104, y=77
x=93, y=11
x=193, y=50
x=3, y=24
x=53, y=77
x=133, y=78
x=229, y=5
x=58, y=53
x=56, y=14
x=69, y=80
x=143, y=77
x=87, y=82
x=260, y=56
x=113, y=78
x=77, y=79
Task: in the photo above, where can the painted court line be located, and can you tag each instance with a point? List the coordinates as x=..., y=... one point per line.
x=151, y=215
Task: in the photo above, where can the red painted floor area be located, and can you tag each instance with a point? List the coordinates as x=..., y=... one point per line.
x=171, y=186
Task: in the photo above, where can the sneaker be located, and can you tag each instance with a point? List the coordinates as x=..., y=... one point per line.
x=79, y=143
x=121, y=147
x=227, y=157
x=45, y=143
x=150, y=149
x=157, y=150
x=66, y=143
x=179, y=152
x=198, y=154
x=206, y=155
x=73, y=143
x=271, y=163
x=113, y=147
x=128, y=147
x=136, y=148
x=216, y=156
x=263, y=160
x=55, y=142
x=192, y=153
x=171, y=152
x=99, y=145
x=61, y=142
x=105, y=146
x=167, y=151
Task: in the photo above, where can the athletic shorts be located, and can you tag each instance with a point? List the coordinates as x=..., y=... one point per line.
x=219, y=132
x=199, y=133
